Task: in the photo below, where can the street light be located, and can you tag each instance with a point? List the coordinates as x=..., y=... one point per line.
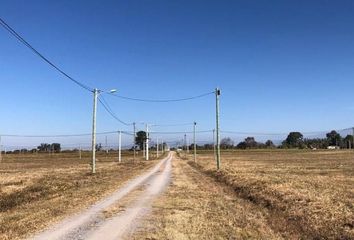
x=96, y=92
x=113, y=91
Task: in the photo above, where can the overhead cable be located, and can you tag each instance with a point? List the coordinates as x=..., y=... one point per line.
x=163, y=100
x=24, y=42
x=108, y=109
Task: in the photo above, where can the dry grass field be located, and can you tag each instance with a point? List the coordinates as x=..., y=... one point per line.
x=259, y=194
x=39, y=189
x=308, y=194
x=195, y=206
x=273, y=194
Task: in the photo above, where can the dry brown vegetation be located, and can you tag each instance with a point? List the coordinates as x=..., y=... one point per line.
x=37, y=190
x=309, y=194
x=195, y=207
x=259, y=194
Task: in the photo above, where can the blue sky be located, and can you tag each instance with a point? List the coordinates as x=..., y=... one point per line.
x=281, y=65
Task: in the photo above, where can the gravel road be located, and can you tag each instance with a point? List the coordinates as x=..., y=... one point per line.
x=93, y=224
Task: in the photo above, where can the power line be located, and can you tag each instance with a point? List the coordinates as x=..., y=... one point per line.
x=158, y=132
x=109, y=110
x=172, y=125
x=106, y=103
x=278, y=134
x=127, y=133
x=204, y=131
x=60, y=135
x=163, y=100
x=253, y=133
x=24, y=42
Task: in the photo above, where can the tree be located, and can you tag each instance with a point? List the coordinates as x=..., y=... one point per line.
x=269, y=144
x=334, y=138
x=249, y=142
x=294, y=139
x=55, y=147
x=226, y=143
x=348, y=141
x=208, y=146
x=316, y=143
x=140, y=139
x=44, y=147
x=99, y=147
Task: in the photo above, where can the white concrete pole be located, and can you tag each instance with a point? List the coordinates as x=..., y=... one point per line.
x=80, y=151
x=157, y=147
x=214, y=145
x=217, y=95
x=134, y=129
x=147, y=142
x=106, y=145
x=120, y=146
x=0, y=150
x=353, y=137
x=95, y=95
x=185, y=145
x=194, y=143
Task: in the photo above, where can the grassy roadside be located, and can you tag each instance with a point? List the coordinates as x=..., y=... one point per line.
x=39, y=192
x=310, y=194
x=195, y=207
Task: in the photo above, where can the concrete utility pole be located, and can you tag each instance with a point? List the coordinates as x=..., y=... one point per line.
x=119, y=146
x=157, y=147
x=147, y=142
x=80, y=151
x=214, y=145
x=185, y=145
x=134, y=129
x=95, y=95
x=194, y=143
x=106, y=145
x=0, y=150
x=217, y=95
x=353, y=137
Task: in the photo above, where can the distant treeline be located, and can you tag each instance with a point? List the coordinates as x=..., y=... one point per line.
x=43, y=147
x=51, y=148
x=293, y=140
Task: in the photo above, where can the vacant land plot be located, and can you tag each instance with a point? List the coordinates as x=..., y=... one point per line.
x=310, y=194
x=39, y=189
x=195, y=206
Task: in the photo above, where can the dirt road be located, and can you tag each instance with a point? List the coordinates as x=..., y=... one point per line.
x=195, y=206
x=117, y=215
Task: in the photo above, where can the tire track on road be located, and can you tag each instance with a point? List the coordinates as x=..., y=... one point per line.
x=91, y=224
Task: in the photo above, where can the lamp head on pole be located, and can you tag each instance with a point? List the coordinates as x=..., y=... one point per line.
x=113, y=91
